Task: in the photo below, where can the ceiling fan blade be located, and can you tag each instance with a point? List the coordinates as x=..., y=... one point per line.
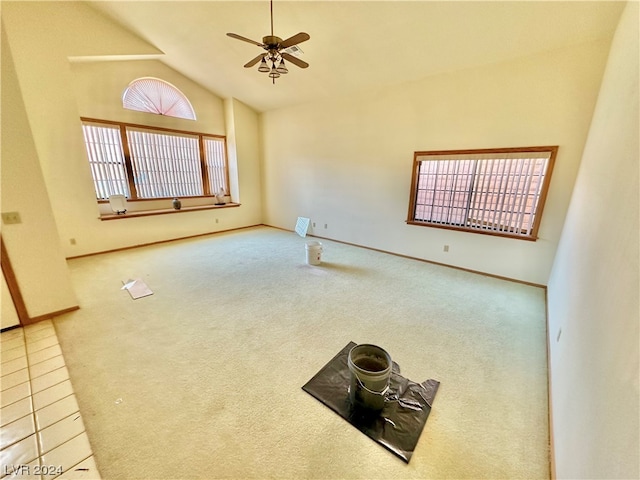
x=295, y=40
x=255, y=60
x=294, y=60
x=244, y=39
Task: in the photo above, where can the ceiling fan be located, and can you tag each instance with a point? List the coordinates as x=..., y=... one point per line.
x=275, y=55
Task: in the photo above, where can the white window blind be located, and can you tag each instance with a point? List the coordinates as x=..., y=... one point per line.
x=216, y=164
x=498, y=192
x=153, y=95
x=165, y=165
x=147, y=162
x=106, y=159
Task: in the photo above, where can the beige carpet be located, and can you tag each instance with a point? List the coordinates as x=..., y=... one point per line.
x=203, y=378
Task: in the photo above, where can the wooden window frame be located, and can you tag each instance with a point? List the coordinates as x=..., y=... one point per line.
x=128, y=165
x=478, y=155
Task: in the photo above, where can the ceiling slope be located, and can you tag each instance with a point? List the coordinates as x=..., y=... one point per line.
x=354, y=45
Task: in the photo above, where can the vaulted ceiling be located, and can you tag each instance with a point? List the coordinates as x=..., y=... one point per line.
x=354, y=45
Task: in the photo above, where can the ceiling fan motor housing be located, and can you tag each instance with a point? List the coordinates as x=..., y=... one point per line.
x=271, y=42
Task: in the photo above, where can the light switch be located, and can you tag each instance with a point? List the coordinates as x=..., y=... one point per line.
x=11, y=217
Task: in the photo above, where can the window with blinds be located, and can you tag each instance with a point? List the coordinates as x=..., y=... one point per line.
x=496, y=191
x=106, y=159
x=153, y=95
x=148, y=162
x=216, y=165
x=165, y=165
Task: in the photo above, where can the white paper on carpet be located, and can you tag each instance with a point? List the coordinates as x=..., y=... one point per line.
x=136, y=288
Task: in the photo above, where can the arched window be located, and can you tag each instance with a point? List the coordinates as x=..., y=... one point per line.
x=152, y=95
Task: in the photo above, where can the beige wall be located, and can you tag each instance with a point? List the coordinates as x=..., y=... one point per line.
x=243, y=140
x=593, y=288
x=347, y=163
x=57, y=92
x=33, y=245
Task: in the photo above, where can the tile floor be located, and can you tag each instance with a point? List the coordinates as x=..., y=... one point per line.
x=41, y=431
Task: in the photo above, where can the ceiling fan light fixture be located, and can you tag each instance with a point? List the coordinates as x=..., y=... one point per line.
x=263, y=66
x=274, y=73
x=282, y=68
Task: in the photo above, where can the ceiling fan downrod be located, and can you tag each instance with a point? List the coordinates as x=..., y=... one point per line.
x=271, y=10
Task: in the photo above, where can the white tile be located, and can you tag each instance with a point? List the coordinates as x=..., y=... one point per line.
x=56, y=411
x=11, y=395
x=35, y=327
x=11, y=335
x=85, y=470
x=60, y=432
x=45, y=354
x=16, y=431
x=22, y=452
x=70, y=453
x=16, y=410
x=33, y=347
x=13, y=379
x=13, y=353
x=13, y=366
x=26, y=472
x=47, y=366
x=49, y=379
x=34, y=336
x=52, y=394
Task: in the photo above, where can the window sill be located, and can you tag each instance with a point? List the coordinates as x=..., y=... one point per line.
x=164, y=211
x=472, y=230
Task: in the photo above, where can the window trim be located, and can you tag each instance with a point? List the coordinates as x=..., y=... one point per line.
x=532, y=236
x=129, y=167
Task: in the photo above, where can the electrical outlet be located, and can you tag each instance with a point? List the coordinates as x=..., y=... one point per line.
x=11, y=217
x=72, y=241
x=446, y=248
x=216, y=220
x=313, y=224
x=325, y=225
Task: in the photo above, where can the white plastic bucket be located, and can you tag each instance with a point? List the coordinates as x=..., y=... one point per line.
x=314, y=253
x=370, y=368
